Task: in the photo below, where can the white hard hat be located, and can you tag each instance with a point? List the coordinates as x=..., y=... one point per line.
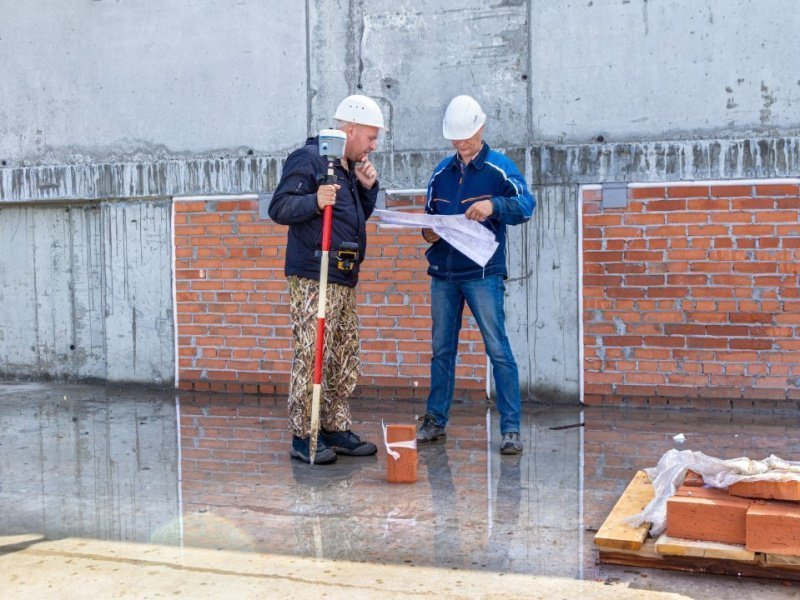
x=462, y=118
x=360, y=109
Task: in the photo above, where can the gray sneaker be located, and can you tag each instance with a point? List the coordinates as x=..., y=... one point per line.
x=429, y=430
x=511, y=444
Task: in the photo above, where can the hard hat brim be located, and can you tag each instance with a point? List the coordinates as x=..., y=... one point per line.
x=450, y=134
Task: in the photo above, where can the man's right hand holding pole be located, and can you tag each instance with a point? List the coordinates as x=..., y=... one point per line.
x=326, y=195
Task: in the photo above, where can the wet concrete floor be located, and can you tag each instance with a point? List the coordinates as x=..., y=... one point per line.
x=209, y=476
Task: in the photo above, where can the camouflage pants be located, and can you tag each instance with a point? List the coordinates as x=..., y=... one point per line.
x=340, y=364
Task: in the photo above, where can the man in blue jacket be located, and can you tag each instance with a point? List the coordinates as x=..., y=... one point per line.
x=298, y=202
x=487, y=187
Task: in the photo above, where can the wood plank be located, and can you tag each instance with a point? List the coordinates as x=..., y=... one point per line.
x=647, y=557
x=782, y=560
x=615, y=532
x=680, y=547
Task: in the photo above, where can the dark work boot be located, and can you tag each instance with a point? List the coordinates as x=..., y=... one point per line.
x=511, y=443
x=347, y=442
x=302, y=451
x=429, y=431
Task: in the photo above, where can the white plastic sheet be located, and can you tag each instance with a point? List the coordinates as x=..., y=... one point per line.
x=671, y=469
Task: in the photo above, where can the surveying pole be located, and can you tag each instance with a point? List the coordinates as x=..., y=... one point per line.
x=331, y=146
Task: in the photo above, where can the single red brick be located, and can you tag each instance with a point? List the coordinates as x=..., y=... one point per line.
x=694, y=191
x=646, y=193
x=707, y=514
x=693, y=479
x=404, y=468
x=731, y=191
x=773, y=527
x=777, y=190
x=763, y=204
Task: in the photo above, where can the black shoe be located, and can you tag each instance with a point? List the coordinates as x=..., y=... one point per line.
x=301, y=450
x=429, y=430
x=511, y=444
x=347, y=442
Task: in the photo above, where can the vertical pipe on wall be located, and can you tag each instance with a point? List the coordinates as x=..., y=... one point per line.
x=174, y=293
x=581, y=189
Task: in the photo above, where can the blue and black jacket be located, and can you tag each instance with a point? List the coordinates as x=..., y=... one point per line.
x=453, y=188
x=294, y=203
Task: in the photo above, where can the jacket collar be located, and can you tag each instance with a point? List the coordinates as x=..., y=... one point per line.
x=477, y=162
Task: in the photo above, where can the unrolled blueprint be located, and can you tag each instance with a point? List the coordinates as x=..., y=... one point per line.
x=468, y=237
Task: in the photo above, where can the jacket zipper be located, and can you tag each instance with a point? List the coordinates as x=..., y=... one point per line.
x=462, y=176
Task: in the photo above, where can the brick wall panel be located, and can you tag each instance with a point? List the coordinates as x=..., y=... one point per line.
x=232, y=304
x=691, y=291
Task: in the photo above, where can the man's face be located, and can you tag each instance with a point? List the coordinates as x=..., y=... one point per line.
x=470, y=147
x=361, y=140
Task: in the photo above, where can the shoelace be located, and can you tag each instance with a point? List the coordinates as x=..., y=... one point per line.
x=352, y=437
x=427, y=421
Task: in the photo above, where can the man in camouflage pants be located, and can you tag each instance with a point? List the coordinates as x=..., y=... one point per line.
x=298, y=202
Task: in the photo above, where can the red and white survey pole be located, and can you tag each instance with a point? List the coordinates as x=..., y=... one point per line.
x=331, y=146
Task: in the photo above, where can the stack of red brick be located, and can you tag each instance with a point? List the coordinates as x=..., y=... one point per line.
x=764, y=516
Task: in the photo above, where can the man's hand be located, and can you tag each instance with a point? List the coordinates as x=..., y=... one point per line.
x=326, y=195
x=366, y=173
x=430, y=235
x=480, y=211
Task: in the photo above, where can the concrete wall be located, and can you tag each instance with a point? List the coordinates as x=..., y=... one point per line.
x=109, y=82
x=86, y=291
x=103, y=81
x=117, y=100
x=655, y=69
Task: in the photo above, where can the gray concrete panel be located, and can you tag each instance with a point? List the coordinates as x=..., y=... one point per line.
x=87, y=291
x=87, y=259
x=414, y=57
x=332, y=71
x=137, y=291
x=93, y=81
x=644, y=70
x=52, y=299
x=18, y=331
x=542, y=297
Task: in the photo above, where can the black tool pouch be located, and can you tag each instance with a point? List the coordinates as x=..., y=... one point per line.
x=346, y=256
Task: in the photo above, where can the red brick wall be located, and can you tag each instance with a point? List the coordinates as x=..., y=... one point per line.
x=692, y=292
x=232, y=304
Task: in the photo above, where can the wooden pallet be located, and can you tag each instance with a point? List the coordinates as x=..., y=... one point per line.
x=619, y=543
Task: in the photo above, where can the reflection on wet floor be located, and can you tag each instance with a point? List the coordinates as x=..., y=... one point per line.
x=214, y=471
x=86, y=461
x=471, y=507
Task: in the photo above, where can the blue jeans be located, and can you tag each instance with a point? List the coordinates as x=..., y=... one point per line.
x=485, y=299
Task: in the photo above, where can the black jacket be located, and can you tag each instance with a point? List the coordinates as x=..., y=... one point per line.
x=294, y=203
